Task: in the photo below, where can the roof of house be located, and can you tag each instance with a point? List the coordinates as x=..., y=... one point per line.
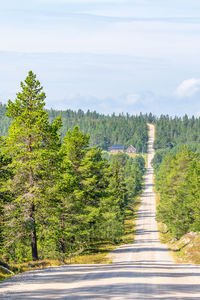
x=117, y=147
x=131, y=146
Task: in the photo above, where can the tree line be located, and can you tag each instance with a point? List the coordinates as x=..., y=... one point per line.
x=58, y=197
x=104, y=131
x=172, y=133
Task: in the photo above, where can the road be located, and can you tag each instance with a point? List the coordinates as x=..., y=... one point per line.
x=142, y=270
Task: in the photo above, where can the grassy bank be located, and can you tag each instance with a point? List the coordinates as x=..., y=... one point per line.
x=184, y=250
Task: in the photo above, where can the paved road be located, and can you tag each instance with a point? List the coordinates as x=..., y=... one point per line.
x=143, y=270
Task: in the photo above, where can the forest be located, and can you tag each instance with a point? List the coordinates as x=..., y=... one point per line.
x=178, y=182
x=172, y=133
x=177, y=173
x=58, y=195
x=104, y=130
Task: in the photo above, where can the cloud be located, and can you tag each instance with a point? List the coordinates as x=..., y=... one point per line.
x=188, y=88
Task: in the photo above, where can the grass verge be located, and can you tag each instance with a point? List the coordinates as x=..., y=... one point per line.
x=130, y=222
x=186, y=249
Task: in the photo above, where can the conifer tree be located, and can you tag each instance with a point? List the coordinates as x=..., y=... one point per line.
x=178, y=182
x=32, y=144
x=81, y=187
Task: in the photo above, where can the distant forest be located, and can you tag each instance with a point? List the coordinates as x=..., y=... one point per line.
x=104, y=130
x=173, y=133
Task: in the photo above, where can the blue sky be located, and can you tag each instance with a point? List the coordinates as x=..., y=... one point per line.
x=111, y=56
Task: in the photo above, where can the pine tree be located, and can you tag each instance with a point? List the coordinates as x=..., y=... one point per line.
x=178, y=193
x=82, y=186
x=32, y=144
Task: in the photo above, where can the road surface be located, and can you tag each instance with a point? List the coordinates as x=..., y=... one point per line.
x=142, y=270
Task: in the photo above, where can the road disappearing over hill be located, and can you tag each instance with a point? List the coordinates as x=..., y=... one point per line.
x=142, y=270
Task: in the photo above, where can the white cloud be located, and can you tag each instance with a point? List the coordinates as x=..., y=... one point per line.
x=188, y=88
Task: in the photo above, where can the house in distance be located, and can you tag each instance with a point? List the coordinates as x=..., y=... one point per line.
x=120, y=148
x=117, y=148
x=131, y=149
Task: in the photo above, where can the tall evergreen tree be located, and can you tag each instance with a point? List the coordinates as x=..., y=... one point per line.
x=32, y=144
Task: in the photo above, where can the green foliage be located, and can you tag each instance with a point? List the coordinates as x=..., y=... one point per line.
x=59, y=198
x=4, y=120
x=178, y=182
x=177, y=173
x=31, y=145
x=125, y=185
x=171, y=132
x=132, y=169
x=104, y=130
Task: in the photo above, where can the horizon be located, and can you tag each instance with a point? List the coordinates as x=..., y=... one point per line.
x=118, y=114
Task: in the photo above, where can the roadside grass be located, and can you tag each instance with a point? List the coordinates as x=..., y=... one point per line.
x=4, y=275
x=27, y=266
x=95, y=254
x=186, y=249
x=130, y=222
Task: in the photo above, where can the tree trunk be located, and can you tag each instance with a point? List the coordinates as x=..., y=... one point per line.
x=32, y=212
x=33, y=234
x=62, y=240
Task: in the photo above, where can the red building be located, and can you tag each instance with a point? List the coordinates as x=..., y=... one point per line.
x=131, y=149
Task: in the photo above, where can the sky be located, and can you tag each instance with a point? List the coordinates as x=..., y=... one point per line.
x=110, y=56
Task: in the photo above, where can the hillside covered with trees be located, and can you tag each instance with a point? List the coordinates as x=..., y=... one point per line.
x=58, y=197
x=172, y=133
x=104, y=130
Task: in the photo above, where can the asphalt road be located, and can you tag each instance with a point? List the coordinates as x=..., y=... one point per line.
x=142, y=270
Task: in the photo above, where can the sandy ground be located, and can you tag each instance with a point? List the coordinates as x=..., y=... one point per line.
x=142, y=270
